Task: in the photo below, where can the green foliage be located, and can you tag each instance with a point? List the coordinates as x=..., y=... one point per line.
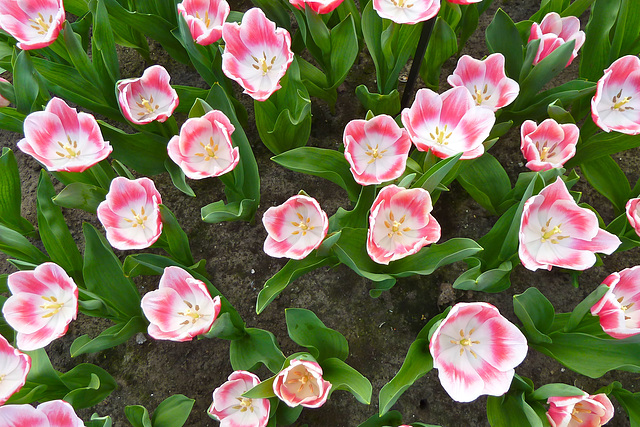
x=79, y=195
x=257, y=346
x=344, y=377
x=171, y=412
x=306, y=330
x=11, y=194
x=442, y=45
x=503, y=37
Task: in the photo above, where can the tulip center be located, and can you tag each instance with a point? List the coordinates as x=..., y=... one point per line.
x=625, y=307
x=40, y=24
x=263, y=64
x=192, y=313
x=206, y=20
x=550, y=234
x=51, y=304
x=441, y=137
x=138, y=220
x=465, y=342
x=246, y=404
x=303, y=225
x=401, y=3
x=546, y=152
x=619, y=102
x=70, y=149
x=374, y=153
x=304, y=379
x=577, y=410
x=394, y=227
x=481, y=96
x=147, y=104
x=209, y=150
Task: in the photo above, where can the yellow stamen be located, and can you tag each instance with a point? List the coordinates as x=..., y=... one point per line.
x=52, y=304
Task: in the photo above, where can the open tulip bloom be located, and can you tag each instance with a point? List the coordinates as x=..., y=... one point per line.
x=181, y=308
x=55, y=413
x=301, y=383
x=554, y=31
x=619, y=308
x=14, y=367
x=233, y=410
x=205, y=19
x=62, y=139
x=555, y=231
x=34, y=24
x=632, y=209
x=448, y=124
x=376, y=149
x=256, y=54
x=475, y=350
x=579, y=411
x=616, y=104
x=407, y=11
x=42, y=304
x=548, y=145
x=318, y=6
x=130, y=213
x=486, y=81
x=204, y=147
x=148, y=98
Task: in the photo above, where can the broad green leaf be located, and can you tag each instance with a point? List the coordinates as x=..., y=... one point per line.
x=493, y=280
x=78, y=55
x=25, y=83
x=511, y=410
x=11, y=194
x=137, y=415
x=143, y=152
x=201, y=56
x=442, y=46
x=16, y=245
x=486, y=181
x=604, y=174
x=88, y=384
x=306, y=330
x=355, y=218
x=594, y=55
x=584, y=307
x=110, y=337
x=371, y=30
x=78, y=195
x=97, y=421
x=438, y=173
x=258, y=346
x=177, y=242
x=275, y=12
x=344, y=50
x=264, y=390
x=287, y=415
x=393, y=418
x=173, y=411
x=536, y=314
x=11, y=119
x=601, y=145
x=379, y=104
x=503, y=37
x=318, y=30
x=549, y=390
x=630, y=402
x=103, y=51
x=344, y=377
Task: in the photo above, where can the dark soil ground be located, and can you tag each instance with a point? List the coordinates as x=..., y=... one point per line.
x=379, y=330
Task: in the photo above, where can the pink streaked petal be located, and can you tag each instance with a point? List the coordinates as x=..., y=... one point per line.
x=124, y=194
x=573, y=220
x=560, y=255
x=415, y=204
x=60, y=414
x=604, y=242
x=22, y=416
x=159, y=334
x=459, y=380
x=44, y=130
x=23, y=313
x=468, y=70
x=456, y=102
x=161, y=307
x=552, y=193
x=502, y=345
x=42, y=337
x=473, y=129
x=225, y=396
x=551, y=23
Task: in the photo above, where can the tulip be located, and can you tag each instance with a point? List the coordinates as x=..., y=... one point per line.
x=62, y=139
x=204, y=19
x=619, y=308
x=579, y=411
x=233, y=410
x=181, y=308
x=400, y=224
x=407, y=11
x=616, y=105
x=130, y=213
x=42, y=304
x=555, y=31
x=448, y=124
x=204, y=147
x=295, y=228
x=256, y=54
x=318, y=6
x=147, y=98
x=475, y=350
x=35, y=24
x=555, y=231
x=486, y=81
x=632, y=209
x=549, y=145
x=301, y=383
x=376, y=149
x=55, y=413
x=14, y=367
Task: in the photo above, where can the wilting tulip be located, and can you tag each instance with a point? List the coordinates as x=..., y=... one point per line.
x=475, y=350
x=486, y=81
x=555, y=231
x=205, y=19
x=63, y=139
x=633, y=214
x=407, y=11
x=147, y=98
x=376, y=149
x=130, y=213
x=181, y=308
x=55, y=413
x=256, y=54
x=318, y=6
x=400, y=224
x=579, y=411
x=204, y=147
x=555, y=31
x=233, y=410
x=42, y=304
x=616, y=105
x=448, y=124
x=34, y=24
x=548, y=145
x=295, y=228
x=619, y=308
x=301, y=383
x=14, y=367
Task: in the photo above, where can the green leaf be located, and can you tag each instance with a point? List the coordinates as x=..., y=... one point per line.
x=16, y=245
x=511, y=410
x=264, y=390
x=97, y=421
x=173, y=411
x=492, y=280
x=630, y=402
x=11, y=194
x=438, y=173
x=201, y=56
x=25, y=83
x=110, y=337
x=143, y=152
x=306, y=330
x=549, y=390
x=11, y=119
x=318, y=30
x=177, y=240
x=486, y=181
x=103, y=51
x=584, y=307
x=594, y=55
x=503, y=37
x=137, y=415
x=379, y=104
x=393, y=418
x=258, y=346
x=79, y=195
x=371, y=31
x=88, y=384
x=344, y=50
x=442, y=46
x=607, y=178
x=536, y=314
x=601, y=145
x=344, y=377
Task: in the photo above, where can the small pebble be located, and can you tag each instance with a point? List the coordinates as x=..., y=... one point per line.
x=140, y=339
x=253, y=271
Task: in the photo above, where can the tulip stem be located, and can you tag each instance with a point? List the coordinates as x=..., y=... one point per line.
x=421, y=50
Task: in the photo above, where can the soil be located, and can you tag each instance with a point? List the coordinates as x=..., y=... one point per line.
x=379, y=330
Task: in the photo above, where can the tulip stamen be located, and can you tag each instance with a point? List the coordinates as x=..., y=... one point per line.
x=465, y=342
x=246, y=404
x=71, y=149
x=206, y=20
x=52, y=304
x=441, y=137
x=263, y=64
x=401, y=3
x=147, y=104
x=192, y=312
x=551, y=235
x=41, y=25
x=618, y=103
x=303, y=225
x=209, y=150
x=139, y=219
x=374, y=153
x=394, y=226
x=481, y=96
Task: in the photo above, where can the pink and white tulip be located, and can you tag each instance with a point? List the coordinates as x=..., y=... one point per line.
x=34, y=24
x=400, y=224
x=204, y=149
x=619, y=308
x=475, y=350
x=148, y=98
x=407, y=11
x=233, y=410
x=4, y=102
x=204, y=19
x=318, y=6
x=301, y=383
x=448, y=124
x=42, y=304
x=295, y=228
x=181, y=308
x=616, y=104
x=548, y=145
x=579, y=411
x=376, y=149
x=62, y=139
x=14, y=367
x=555, y=231
x=256, y=54
x=130, y=213
x=55, y=413
x=633, y=214
x=554, y=31
x=486, y=81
